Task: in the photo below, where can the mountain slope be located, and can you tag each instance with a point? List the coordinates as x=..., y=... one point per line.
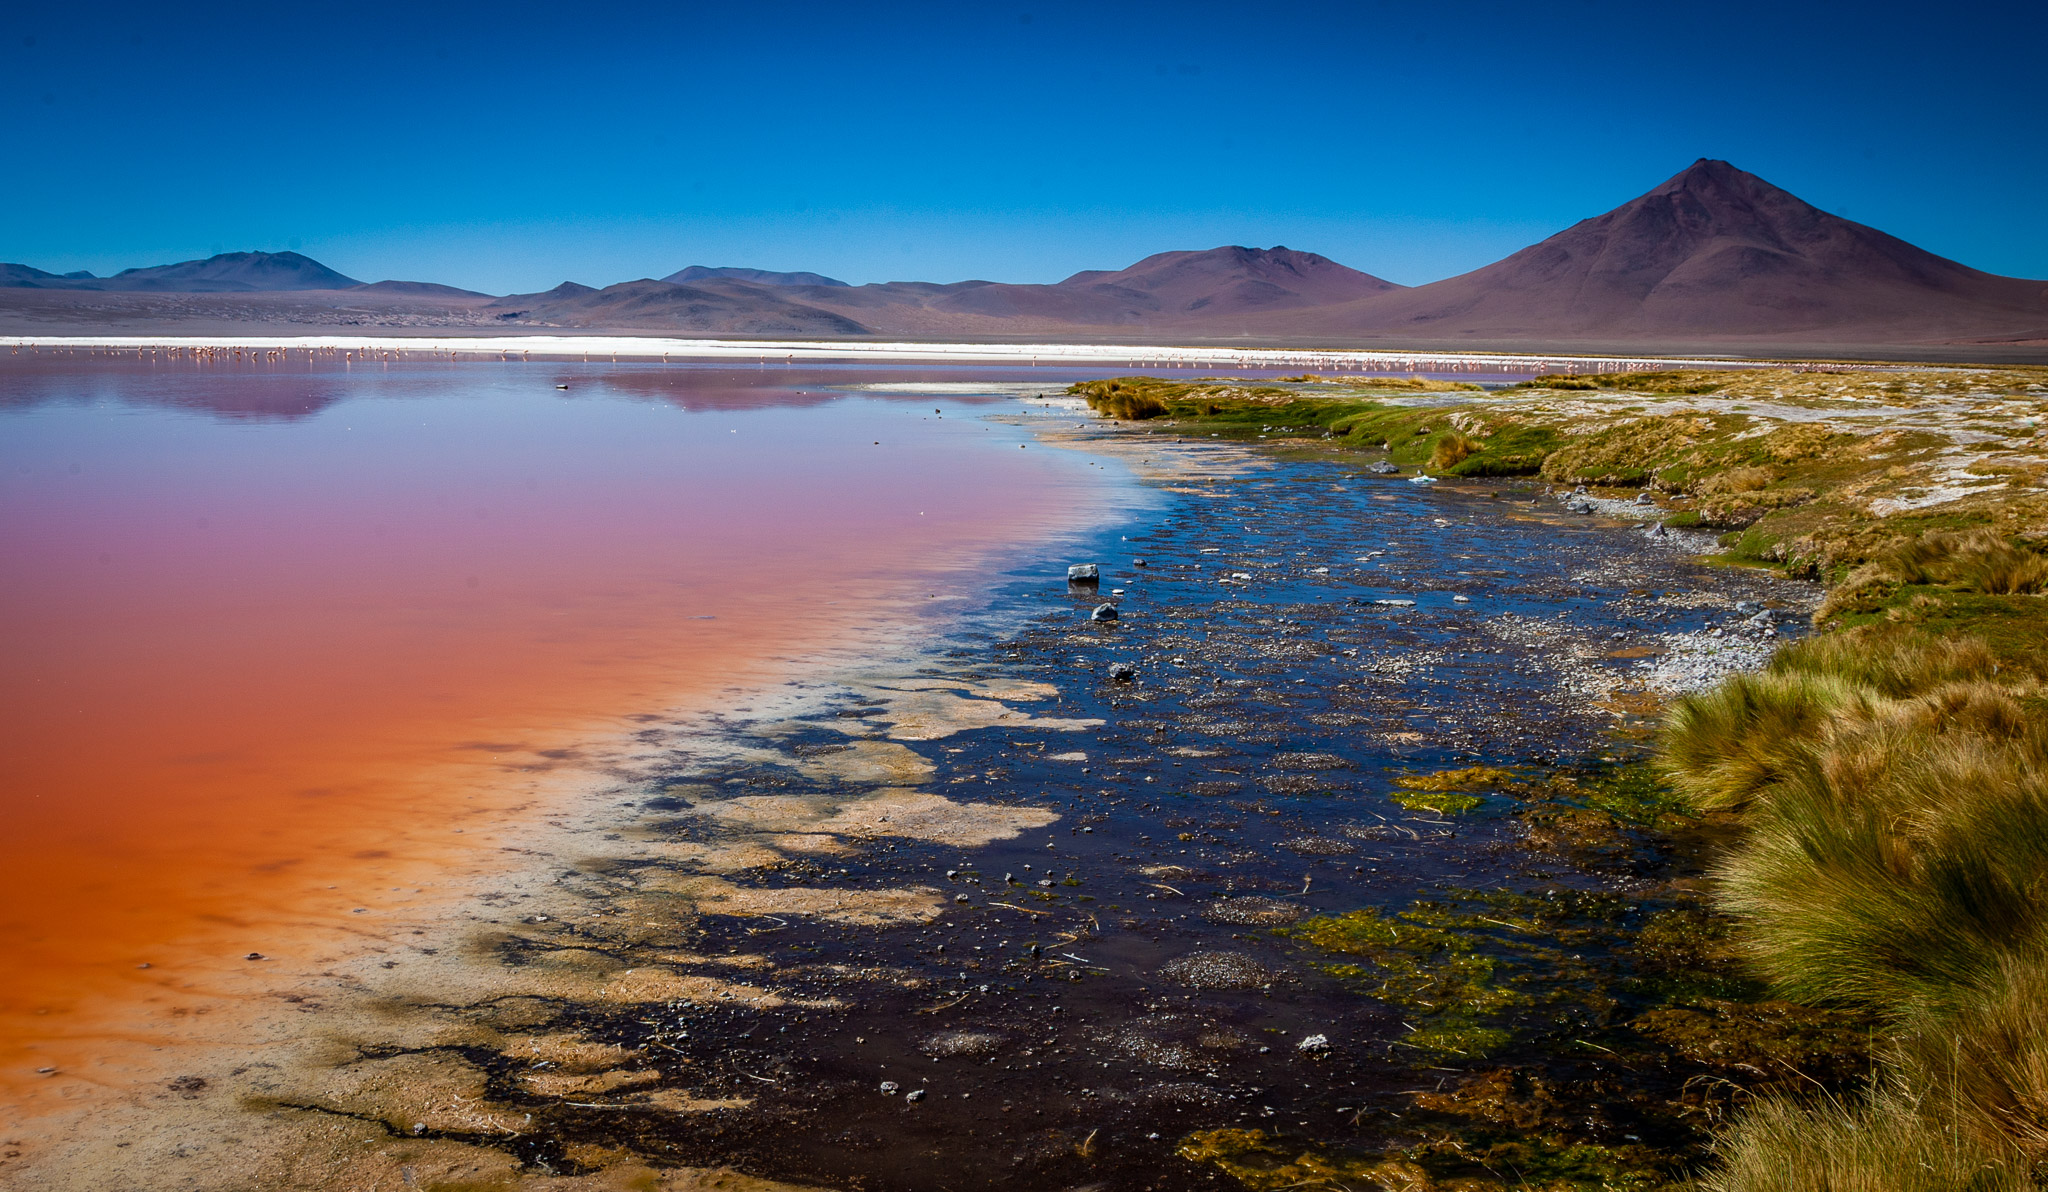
x=1712, y=252
x=229, y=272
x=732, y=308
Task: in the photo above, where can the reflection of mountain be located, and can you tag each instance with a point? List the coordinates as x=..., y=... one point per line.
x=225, y=392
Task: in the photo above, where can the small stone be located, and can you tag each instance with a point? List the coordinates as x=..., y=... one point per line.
x=1580, y=507
x=1103, y=612
x=952, y=873
x=419, y=1128
x=1045, y=883
x=1644, y=498
x=889, y=1088
x=1083, y=573
x=1137, y=562
x=1657, y=530
x=253, y=956
x=1747, y=607
x=960, y=898
x=914, y=1095
x=1314, y=1044
x=1122, y=672
x=1382, y=468
x=1461, y=599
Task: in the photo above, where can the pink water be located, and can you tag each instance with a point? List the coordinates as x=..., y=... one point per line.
x=274, y=632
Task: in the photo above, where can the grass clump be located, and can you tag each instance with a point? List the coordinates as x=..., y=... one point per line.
x=1887, y=1144
x=1889, y=792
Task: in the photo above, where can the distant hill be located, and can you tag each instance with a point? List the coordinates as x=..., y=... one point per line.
x=230, y=272
x=1169, y=290
x=1234, y=279
x=27, y=276
x=427, y=289
x=1712, y=256
x=1713, y=252
x=652, y=305
x=764, y=277
x=227, y=273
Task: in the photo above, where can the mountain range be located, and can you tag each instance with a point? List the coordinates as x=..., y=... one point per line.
x=1713, y=255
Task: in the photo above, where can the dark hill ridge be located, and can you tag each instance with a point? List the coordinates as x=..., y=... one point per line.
x=225, y=273
x=1199, y=292
x=230, y=272
x=1712, y=252
x=766, y=277
x=1235, y=278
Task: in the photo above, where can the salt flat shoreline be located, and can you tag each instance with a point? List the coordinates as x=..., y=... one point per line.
x=651, y=348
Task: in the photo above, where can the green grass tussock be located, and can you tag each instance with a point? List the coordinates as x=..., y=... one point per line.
x=1888, y=788
x=1884, y=1145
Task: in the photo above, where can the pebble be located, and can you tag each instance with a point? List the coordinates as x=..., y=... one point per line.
x=1103, y=612
x=889, y=1088
x=914, y=1095
x=1082, y=573
x=1314, y=1043
x=1122, y=672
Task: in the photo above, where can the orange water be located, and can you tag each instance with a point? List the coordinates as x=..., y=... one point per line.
x=272, y=635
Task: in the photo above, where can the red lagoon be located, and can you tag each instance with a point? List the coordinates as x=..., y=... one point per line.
x=284, y=642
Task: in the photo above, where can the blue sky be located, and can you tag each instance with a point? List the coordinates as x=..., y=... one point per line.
x=509, y=146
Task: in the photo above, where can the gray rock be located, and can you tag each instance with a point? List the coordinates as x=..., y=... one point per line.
x=1103, y=612
x=1746, y=607
x=1644, y=498
x=1137, y=562
x=1122, y=672
x=889, y=1088
x=1382, y=468
x=1083, y=573
x=1657, y=530
x=914, y=1095
x=1580, y=507
x=1314, y=1044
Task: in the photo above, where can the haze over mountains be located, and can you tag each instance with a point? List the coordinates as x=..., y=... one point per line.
x=1713, y=255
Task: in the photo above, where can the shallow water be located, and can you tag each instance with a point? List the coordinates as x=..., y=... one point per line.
x=961, y=860
x=277, y=635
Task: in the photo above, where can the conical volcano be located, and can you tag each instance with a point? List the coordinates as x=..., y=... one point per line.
x=1715, y=251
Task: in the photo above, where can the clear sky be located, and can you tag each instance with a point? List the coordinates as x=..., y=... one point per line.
x=507, y=146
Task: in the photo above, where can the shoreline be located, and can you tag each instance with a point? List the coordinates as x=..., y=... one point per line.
x=656, y=348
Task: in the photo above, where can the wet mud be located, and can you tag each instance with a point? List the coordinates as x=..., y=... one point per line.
x=1352, y=876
